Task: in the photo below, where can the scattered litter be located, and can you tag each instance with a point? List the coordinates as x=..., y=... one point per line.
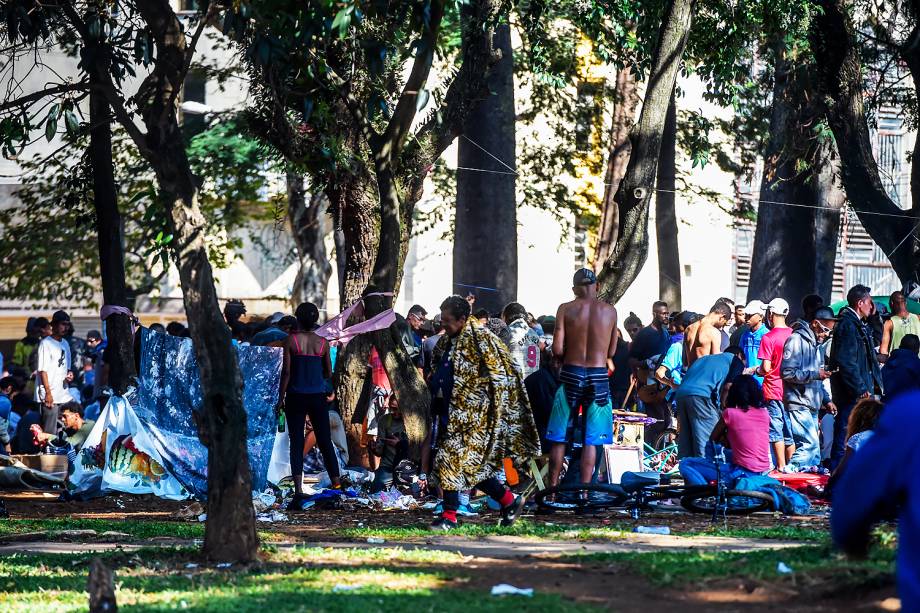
x=652, y=529
x=264, y=501
x=341, y=587
x=393, y=499
x=783, y=569
x=505, y=589
x=272, y=516
x=191, y=565
x=375, y=540
x=225, y=565
x=203, y=517
x=190, y=512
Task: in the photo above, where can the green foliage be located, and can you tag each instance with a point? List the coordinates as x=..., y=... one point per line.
x=50, y=249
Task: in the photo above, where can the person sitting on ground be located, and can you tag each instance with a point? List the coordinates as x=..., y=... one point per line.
x=884, y=472
x=585, y=340
x=705, y=336
x=392, y=446
x=745, y=428
x=488, y=415
x=307, y=365
x=29, y=412
x=702, y=392
x=902, y=370
x=76, y=429
x=860, y=428
x=901, y=323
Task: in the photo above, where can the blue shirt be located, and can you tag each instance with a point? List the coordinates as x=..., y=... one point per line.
x=750, y=344
x=885, y=470
x=673, y=362
x=708, y=374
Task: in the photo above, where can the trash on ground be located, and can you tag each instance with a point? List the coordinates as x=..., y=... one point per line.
x=272, y=516
x=652, y=529
x=505, y=589
x=341, y=587
x=782, y=568
x=375, y=540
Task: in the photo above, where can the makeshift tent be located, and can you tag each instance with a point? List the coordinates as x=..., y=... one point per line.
x=147, y=442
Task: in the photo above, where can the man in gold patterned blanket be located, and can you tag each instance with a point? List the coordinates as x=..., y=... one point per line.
x=481, y=411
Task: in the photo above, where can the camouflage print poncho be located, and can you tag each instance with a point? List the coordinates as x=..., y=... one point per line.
x=490, y=417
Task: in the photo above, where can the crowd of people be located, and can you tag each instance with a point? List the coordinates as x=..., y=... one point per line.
x=793, y=395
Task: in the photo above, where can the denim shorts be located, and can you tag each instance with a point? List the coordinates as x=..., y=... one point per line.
x=780, y=429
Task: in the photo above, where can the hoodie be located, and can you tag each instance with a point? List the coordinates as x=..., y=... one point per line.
x=901, y=373
x=802, y=359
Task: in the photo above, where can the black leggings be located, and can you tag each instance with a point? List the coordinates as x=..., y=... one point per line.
x=296, y=409
x=491, y=486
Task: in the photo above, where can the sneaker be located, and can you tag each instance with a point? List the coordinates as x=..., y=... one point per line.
x=442, y=524
x=512, y=512
x=465, y=510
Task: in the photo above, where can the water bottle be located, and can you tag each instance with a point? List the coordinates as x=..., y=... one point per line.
x=281, y=421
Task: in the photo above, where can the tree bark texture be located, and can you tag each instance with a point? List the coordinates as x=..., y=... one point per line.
x=625, y=102
x=635, y=191
x=354, y=205
x=666, y=214
x=118, y=327
x=309, y=227
x=230, y=533
x=840, y=81
x=485, y=223
x=794, y=252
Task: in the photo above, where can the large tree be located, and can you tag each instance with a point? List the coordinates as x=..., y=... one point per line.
x=149, y=36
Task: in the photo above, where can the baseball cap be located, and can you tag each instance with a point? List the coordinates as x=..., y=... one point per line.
x=585, y=276
x=94, y=334
x=755, y=307
x=779, y=306
x=275, y=317
x=60, y=316
x=825, y=313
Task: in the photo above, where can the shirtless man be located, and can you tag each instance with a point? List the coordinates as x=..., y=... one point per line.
x=705, y=336
x=585, y=339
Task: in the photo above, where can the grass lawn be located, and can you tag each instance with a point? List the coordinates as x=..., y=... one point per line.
x=678, y=568
x=523, y=528
x=138, y=530
x=290, y=580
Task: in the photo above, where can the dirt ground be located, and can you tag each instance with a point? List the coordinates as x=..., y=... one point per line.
x=608, y=586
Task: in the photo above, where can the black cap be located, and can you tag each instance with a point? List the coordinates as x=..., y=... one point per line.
x=585, y=276
x=59, y=316
x=825, y=313
x=94, y=334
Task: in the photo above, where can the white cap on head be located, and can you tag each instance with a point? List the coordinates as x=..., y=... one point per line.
x=779, y=306
x=755, y=307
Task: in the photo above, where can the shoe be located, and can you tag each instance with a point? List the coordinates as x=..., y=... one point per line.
x=442, y=524
x=296, y=503
x=464, y=510
x=512, y=512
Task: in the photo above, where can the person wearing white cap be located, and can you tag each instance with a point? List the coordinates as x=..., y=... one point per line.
x=771, y=354
x=750, y=341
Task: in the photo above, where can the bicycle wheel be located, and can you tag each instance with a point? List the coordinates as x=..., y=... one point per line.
x=738, y=502
x=581, y=497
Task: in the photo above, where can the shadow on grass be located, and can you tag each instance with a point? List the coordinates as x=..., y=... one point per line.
x=155, y=580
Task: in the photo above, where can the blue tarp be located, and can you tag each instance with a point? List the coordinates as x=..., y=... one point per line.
x=169, y=390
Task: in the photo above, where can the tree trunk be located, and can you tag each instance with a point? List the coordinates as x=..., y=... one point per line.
x=485, y=226
x=795, y=246
x=309, y=227
x=666, y=214
x=118, y=327
x=625, y=101
x=353, y=201
x=230, y=533
x=833, y=41
x=635, y=191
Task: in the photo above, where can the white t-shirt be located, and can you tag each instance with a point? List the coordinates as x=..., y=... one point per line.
x=525, y=347
x=54, y=360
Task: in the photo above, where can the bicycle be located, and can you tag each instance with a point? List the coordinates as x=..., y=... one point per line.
x=641, y=491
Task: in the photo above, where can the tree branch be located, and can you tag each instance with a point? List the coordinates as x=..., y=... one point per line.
x=29, y=99
x=397, y=130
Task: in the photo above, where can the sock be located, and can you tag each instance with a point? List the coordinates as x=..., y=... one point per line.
x=506, y=499
x=451, y=515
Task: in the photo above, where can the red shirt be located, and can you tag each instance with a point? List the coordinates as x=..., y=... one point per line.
x=749, y=437
x=771, y=348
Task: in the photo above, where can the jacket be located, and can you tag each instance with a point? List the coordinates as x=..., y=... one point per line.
x=853, y=354
x=882, y=472
x=901, y=373
x=802, y=360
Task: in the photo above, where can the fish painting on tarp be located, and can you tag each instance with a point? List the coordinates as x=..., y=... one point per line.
x=169, y=392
